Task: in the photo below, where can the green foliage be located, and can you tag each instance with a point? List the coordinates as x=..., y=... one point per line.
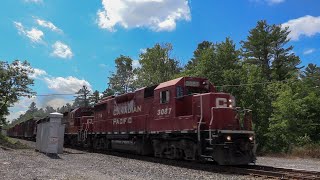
x=295, y=120
x=266, y=47
x=218, y=62
x=156, y=66
x=122, y=81
x=108, y=92
x=14, y=83
x=95, y=97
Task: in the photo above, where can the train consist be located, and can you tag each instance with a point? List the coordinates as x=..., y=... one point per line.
x=185, y=118
x=25, y=130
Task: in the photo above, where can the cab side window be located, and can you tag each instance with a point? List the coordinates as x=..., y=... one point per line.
x=179, y=91
x=164, y=97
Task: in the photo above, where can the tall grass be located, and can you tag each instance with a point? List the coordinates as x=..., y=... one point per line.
x=308, y=150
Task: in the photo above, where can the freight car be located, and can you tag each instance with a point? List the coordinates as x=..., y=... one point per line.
x=24, y=130
x=185, y=118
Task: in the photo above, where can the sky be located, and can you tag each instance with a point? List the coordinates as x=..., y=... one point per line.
x=74, y=43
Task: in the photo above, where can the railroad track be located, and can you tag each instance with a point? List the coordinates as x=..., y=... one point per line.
x=280, y=173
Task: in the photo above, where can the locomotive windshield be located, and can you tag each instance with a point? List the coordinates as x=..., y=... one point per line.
x=192, y=87
x=196, y=90
x=195, y=87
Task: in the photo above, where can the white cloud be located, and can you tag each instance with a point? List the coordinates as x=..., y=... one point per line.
x=271, y=2
x=309, y=51
x=102, y=65
x=24, y=102
x=158, y=15
x=20, y=107
x=57, y=102
x=48, y=24
x=61, y=50
x=135, y=64
x=34, y=1
x=37, y=73
x=14, y=115
x=303, y=26
x=66, y=85
x=35, y=35
x=143, y=50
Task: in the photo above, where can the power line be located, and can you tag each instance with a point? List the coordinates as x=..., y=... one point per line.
x=263, y=83
x=55, y=94
x=220, y=86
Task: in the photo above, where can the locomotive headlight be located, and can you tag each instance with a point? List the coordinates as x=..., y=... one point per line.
x=228, y=138
x=251, y=138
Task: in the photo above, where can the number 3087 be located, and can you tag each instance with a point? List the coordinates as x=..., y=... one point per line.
x=164, y=111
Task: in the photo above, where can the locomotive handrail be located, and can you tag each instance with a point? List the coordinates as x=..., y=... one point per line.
x=201, y=117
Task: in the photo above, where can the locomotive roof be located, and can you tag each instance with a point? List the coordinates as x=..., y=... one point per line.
x=169, y=83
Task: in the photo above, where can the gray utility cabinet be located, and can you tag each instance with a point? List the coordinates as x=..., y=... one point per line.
x=50, y=134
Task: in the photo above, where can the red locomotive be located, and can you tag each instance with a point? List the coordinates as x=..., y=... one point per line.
x=185, y=118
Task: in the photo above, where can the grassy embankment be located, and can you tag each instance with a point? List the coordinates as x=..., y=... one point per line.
x=6, y=142
x=309, y=151
x=306, y=151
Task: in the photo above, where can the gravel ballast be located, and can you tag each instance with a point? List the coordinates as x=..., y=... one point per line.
x=290, y=163
x=75, y=164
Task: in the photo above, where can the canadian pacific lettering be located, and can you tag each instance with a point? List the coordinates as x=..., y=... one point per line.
x=126, y=108
x=122, y=120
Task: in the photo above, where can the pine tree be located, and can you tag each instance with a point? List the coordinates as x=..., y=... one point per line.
x=266, y=46
x=82, y=98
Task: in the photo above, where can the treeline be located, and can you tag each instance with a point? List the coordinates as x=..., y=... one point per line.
x=264, y=75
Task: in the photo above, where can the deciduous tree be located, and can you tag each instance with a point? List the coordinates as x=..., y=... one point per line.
x=15, y=82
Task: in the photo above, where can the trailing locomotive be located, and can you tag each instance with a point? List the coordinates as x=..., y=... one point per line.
x=185, y=118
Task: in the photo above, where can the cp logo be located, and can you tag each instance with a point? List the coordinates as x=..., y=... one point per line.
x=221, y=102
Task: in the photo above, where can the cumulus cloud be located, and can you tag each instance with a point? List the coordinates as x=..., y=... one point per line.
x=56, y=102
x=66, y=85
x=158, y=15
x=61, y=50
x=37, y=73
x=35, y=35
x=48, y=24
x=309, y=51
x=303, y=26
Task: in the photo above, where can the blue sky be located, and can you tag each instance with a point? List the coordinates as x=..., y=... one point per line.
x=74, y=43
